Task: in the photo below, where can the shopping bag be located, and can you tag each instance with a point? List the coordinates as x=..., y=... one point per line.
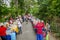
x=13, y=36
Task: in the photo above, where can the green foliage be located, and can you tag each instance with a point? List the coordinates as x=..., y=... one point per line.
x=3, y=10
x=48, y=10
x=21, y=6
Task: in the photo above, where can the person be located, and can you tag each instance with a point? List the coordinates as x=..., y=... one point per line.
x=47, y=36
x=8, y=31
x=48, y=31
x=3, y=32
x=44, y=30
x=34, y=23
x=39, y=27
x=11, y=20
x=23, y=18
x=26, y=19
x=20, y=18
x=48, y=27
x=19, y=26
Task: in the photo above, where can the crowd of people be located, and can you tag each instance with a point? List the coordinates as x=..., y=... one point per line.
x=13, y=27
x=41, y=28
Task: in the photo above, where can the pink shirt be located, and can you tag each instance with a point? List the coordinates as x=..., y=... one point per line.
x=39, y=27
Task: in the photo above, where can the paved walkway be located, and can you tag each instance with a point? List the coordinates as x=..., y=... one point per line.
x=28, y=33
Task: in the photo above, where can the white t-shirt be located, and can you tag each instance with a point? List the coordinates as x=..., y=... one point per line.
x=19, y=24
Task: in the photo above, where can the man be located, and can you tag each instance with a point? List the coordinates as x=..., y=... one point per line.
x=3, y=32
x=39, y=27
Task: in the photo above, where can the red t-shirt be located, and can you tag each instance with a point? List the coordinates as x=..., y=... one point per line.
x=3, y=31
x=39, y=27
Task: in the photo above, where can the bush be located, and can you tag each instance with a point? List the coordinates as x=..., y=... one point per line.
x=55, y=28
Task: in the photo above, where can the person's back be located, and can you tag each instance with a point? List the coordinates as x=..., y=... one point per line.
x=39, y=28
x=3, y=31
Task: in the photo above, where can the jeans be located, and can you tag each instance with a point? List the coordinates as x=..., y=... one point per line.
x=8, y=37
x=39, y=37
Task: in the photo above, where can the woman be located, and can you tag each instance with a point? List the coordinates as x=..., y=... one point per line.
x=48, y=31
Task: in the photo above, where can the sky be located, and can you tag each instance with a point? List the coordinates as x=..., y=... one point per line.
x=7, y=2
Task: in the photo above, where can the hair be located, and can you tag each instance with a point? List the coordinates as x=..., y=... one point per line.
x=2, y=26
x=48, y=22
